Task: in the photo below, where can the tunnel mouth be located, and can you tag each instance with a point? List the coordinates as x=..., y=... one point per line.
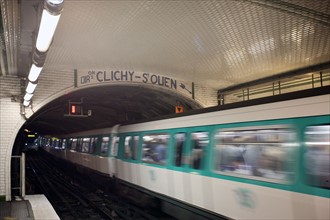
x=110, y=105
x=105, y=106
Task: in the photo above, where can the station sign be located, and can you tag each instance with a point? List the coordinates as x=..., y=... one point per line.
x=89, y=77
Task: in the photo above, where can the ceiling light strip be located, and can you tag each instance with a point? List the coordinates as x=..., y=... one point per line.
x=50, y=17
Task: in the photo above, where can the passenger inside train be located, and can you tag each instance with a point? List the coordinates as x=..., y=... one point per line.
x=260, y=153
x=155, y=148
x=317, y=155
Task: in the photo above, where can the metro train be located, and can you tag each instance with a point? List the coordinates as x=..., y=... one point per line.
x=266, y=161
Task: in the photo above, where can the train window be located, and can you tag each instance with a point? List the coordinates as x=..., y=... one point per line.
x=128, y=150
x=69, y=143
x=48, y=142
x=55, y=143
x=63, y=143
x=105, y=146
x=131, y=147
x=85, y=145
x=155, y=148
x=93, y=144
x=79, y=144
x=59, y=143
x=74, y=144
x=179, y=140
x=317, y=155
x=199, y=143
x=135, y=146
x=264, y=153
x=115, y=144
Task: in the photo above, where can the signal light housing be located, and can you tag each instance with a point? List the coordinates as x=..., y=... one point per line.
x=75, y=109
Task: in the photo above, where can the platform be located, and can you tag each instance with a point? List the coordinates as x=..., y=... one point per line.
x=33, y=207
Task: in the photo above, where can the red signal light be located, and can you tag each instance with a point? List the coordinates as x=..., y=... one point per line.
x=73, y=109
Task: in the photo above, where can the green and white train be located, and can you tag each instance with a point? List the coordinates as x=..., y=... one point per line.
x=267, y=161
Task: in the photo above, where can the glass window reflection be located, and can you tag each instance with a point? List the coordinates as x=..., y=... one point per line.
x=317, y=155
x=265, y=153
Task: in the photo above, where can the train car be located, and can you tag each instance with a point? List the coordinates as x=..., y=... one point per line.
x=267, y=161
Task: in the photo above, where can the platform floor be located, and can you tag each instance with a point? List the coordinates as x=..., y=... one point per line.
x=33, y=207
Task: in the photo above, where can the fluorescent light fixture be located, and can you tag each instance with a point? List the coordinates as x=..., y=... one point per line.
x=46, y=30
x=26, y=103
x=49, y=20
x=28, y=96
x=31, y=87
x=34, y=73
x=56, y=2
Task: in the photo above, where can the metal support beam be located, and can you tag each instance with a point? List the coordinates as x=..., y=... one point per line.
x=23, y=175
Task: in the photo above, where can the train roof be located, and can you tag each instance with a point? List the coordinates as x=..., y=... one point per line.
x=253, y=102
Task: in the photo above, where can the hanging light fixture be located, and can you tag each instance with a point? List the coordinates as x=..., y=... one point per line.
x=26, y=103
x=31, y=87
x=28, y=96
x=34, y=73
x=49, y=19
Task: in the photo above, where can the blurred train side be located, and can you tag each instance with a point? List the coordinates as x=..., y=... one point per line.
x=211, y=186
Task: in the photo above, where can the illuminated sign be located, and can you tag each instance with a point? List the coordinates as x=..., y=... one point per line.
x=31, y=135
x=178, y=109
x=75, y=109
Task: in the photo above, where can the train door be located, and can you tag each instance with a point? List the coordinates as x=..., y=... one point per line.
x=113, y=154
x=114, y=147
x=131, y=147
x=189, y=159
x=190, y=147
x=178, y=151
x=197, y=149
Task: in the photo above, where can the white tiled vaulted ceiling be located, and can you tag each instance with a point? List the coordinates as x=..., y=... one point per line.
x=216, y=43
